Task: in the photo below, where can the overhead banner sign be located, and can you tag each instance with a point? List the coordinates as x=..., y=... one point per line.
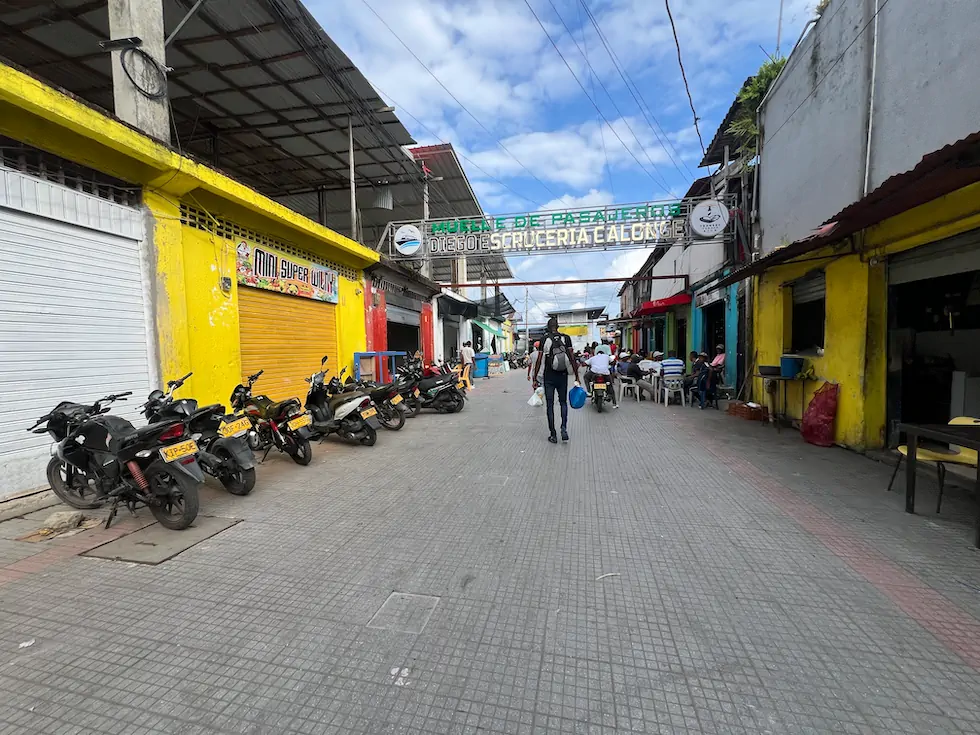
x=263, y=267
x=559, y=231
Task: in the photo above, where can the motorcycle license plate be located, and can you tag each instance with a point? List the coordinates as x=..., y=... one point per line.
x=179, y=451
x=599, y=386
x=368, y=413
x=300, y=421
x=460, y=385
x=416, y=393
x=235, y=427
x=397, y=399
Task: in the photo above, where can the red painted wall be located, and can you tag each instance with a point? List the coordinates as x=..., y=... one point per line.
x=427, y=327
x=376, y=322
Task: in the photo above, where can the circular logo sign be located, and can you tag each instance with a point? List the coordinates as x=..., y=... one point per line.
x=408, y=239
x=708, y=218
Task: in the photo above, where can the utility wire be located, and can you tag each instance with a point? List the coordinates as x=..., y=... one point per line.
x=594, y=104
x=641, y=102
x=832, y=67
x=456, y=100
x=680, y=63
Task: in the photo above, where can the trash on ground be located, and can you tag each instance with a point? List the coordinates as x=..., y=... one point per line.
x=610, y=574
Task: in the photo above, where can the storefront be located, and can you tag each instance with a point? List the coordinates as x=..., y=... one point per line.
x=884, y=301
x=454, y=313
x=76, y=319
x=399, y=313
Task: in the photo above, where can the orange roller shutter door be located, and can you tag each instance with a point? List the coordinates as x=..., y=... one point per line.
x=286, y=336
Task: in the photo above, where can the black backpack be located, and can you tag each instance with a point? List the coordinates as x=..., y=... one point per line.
x=558, y=356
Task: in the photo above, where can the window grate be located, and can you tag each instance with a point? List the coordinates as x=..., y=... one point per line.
x=224, y=228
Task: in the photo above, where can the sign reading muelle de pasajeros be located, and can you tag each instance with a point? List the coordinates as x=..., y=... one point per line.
x=559, y=231
x=263, y=267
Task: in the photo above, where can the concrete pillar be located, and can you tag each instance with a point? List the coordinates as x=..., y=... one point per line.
x=144, y=19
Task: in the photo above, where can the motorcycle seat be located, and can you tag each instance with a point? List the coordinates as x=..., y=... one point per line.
x=339, y=400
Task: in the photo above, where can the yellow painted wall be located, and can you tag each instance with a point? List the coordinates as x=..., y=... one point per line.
x=352, y=334
x=845, y=331
x=856, y=330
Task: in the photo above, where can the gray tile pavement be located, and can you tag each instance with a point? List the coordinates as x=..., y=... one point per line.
x=757, y=585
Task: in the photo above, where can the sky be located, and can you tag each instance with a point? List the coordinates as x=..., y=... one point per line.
x=523, y=115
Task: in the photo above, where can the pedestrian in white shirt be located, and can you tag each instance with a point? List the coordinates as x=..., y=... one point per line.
x=466, y=354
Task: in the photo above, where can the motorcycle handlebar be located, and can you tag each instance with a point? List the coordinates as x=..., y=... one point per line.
x=255, y=376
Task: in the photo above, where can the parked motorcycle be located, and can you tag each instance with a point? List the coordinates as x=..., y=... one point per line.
x=442, y=392
x=280, y=424
x=351, y=415
x=98, y=459
x=224, y=451
x=600, y=383
x=387, y=399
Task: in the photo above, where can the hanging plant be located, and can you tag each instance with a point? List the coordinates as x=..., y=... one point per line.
x=745, y=127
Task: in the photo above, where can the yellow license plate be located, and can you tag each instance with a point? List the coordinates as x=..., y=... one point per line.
x=179, y=451
x=300, y=421
x=397, y=399
x=235, y=427
x=599, y=386
x=368, y=413
x=416, y=393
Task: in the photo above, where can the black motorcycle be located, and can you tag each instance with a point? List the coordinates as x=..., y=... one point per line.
x=600, y=385
x=442, y=392
x=224, y=451
x=386, y=398
x=99, y=459
x=349, y=414
x=280, y=424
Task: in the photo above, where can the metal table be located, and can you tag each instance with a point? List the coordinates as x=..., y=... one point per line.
x=964, y=436
x=784, y=381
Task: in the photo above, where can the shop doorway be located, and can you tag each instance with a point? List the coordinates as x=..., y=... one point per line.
x=933, y=368
x=403, y=338
x=714, y=326
x=682, y=338
x=450, y=338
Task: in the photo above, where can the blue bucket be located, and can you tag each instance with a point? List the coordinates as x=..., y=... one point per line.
x=790, y=366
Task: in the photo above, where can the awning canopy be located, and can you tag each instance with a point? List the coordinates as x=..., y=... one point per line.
x=659, y=306
x=449, y=305
x=488, y=328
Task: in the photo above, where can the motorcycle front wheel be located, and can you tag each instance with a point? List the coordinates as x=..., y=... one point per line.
x=301, y=452
x=391, y=418
x=237, y=481
x=76, y=493
x=413, y=406
x=178, y=498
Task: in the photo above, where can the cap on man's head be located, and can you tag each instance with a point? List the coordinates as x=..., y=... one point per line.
x=658, y=353
x=623, y=355
x=702, y=354
x=720, y=347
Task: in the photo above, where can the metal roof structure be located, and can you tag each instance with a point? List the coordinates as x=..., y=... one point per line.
x=257, y=89
x=715, y=152
x=938, y=173
x=594, y=311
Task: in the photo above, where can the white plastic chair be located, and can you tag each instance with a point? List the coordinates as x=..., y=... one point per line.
x=674, y=385
x=628, y=385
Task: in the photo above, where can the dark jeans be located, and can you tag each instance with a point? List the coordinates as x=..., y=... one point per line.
x=556, y=384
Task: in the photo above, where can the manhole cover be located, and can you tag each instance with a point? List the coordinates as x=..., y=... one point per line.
x=404, y=613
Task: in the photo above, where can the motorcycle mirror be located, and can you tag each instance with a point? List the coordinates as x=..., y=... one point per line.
x=324, y=360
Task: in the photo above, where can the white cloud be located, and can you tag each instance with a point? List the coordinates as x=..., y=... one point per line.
x=626, y=264
x=593, y=198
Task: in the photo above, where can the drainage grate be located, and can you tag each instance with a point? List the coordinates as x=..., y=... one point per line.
x=404, y=613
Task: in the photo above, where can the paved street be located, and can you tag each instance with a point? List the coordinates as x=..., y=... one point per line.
x=670, y=570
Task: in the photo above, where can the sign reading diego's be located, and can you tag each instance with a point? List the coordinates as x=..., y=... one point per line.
x=609, y=227
x=271, y=270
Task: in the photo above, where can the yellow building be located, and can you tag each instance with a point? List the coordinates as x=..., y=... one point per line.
x=137, y=265
x=884, y=301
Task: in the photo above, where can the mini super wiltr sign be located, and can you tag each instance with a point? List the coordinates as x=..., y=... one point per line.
x=559, y=231
x=272, y=270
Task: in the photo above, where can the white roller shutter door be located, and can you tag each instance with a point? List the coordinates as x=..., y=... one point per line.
x=74, y=323
x=959, y=254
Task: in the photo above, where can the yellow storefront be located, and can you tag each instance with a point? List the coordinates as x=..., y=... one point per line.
x=205, y=322
x=851, y=280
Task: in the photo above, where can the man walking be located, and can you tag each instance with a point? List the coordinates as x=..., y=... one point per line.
x=556, y=354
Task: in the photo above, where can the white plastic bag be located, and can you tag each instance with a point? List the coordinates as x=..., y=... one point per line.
x=537, y=398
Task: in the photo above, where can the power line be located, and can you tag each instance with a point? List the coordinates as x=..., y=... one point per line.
x=641, y=102
x=680, y=63
x=594, y=104
x=456, y=100
x=832, y=67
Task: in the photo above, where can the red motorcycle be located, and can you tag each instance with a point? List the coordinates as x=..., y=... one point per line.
x=600, y=383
